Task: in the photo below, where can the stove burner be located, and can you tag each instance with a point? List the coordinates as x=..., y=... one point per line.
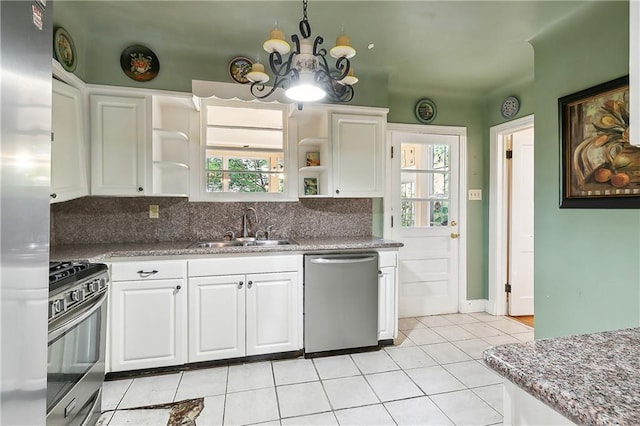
x=71, y=283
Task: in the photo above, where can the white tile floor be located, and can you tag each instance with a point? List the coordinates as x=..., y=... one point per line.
x=432, y=375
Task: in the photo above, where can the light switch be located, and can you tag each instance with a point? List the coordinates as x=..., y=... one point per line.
x=154, y=211
x=475, y=194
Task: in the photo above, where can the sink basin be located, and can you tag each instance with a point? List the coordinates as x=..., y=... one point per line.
x=239, y=243
x=216, y=244
x=270, y=243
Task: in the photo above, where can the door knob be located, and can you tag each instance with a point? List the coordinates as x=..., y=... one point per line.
x=454, y=235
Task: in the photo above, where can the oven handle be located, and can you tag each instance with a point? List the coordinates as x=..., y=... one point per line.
x=77, y=319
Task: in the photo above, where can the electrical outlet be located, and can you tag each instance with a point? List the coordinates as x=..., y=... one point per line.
x=475, y=194
x=154, y=211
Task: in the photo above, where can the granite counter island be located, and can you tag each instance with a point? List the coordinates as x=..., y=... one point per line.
x=591, y=379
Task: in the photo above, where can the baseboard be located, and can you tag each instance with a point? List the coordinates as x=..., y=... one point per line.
x=478, y=305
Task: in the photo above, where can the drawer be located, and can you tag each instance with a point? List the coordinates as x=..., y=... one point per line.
x=243, y=265
x=387, y=258
x=148, y=270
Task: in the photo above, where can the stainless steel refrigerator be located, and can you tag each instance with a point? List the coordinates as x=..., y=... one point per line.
x=25, y=135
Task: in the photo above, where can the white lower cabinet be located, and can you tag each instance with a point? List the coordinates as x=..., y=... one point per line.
x=148, y=325
x=387, y=300
x=242, y=314
x=216, y=317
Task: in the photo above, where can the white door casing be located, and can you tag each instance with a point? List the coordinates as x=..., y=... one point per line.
x=498, y=221
x=521, y=225
x=432, y=264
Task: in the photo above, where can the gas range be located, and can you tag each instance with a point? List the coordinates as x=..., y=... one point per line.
x=73, y=283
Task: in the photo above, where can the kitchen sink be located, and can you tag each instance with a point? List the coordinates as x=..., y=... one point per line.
x=238, y=243
x=286, y=242
x=216, y=244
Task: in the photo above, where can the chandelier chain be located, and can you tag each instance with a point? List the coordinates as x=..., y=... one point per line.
x=304, y=10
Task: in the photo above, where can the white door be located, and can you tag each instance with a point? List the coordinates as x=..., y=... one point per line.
x=272, y=313
x=425, y=170
x=521, y=225
x=216, y=317
x=148, y=324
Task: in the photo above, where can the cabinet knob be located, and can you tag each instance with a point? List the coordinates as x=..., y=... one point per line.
x=337, y=191
x=178, y=287
x=454, y=235
x=53, y=195
x=249, y=284
x=140, y=189
x=240, y=284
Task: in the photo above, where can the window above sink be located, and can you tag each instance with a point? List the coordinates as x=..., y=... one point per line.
x=245, y=153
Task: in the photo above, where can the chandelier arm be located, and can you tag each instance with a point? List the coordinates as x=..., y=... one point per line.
x=296, y=40
x=343, y=64
x=257, y=88
x=319, y=52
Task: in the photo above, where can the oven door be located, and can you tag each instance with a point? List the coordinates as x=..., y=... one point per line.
x=75, y=370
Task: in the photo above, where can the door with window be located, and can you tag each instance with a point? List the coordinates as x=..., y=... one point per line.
x=425, y=218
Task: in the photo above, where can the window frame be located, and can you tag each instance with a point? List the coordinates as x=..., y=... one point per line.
x=199, y=179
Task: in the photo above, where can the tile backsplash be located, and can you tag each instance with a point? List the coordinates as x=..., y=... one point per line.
x=90, y=220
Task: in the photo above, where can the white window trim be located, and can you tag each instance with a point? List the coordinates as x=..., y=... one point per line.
x=198, y=179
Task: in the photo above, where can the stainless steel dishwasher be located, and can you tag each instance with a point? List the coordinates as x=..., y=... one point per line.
x=340, y=301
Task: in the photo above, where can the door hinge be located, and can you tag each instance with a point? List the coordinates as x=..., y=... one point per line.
x=391, y=152
x=507, y=288
x=392, y=221
x=509, y=154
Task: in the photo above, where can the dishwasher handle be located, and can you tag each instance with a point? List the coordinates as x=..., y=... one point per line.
x=326, y=261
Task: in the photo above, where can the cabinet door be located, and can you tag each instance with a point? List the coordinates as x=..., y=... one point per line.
x=68, y=160
x=148, y=324
x=358, y=155
x=216, y=317
x=118, y=139
x=387, y=318
x=272, y=313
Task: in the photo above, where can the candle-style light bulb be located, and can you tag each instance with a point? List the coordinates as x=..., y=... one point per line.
x=276, y=42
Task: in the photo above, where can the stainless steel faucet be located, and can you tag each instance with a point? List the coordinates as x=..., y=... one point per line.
x=245, y=233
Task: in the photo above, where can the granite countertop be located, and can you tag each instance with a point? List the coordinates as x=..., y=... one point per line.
x=104, y=252
x=592, y=379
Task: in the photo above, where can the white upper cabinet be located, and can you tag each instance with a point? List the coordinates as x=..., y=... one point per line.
x=119, y=135
x=68, y=158
x=340, y=151
x=358, y=155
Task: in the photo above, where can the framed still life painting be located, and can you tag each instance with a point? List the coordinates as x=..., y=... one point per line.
x=599, y=166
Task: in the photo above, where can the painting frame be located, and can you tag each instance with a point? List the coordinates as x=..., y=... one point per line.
x=599, y=168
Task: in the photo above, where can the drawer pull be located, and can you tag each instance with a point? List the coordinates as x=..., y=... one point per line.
x=145, y=274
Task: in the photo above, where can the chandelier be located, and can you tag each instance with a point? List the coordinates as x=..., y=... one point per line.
x=305, y=75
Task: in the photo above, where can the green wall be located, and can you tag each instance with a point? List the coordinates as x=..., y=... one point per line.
x=587, y=269
x=459, y=110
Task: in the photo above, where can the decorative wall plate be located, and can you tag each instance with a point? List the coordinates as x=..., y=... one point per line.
x=64, y=49
x=510, y=107
x=139, y=63
x=238, y=69
x=426, y=110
